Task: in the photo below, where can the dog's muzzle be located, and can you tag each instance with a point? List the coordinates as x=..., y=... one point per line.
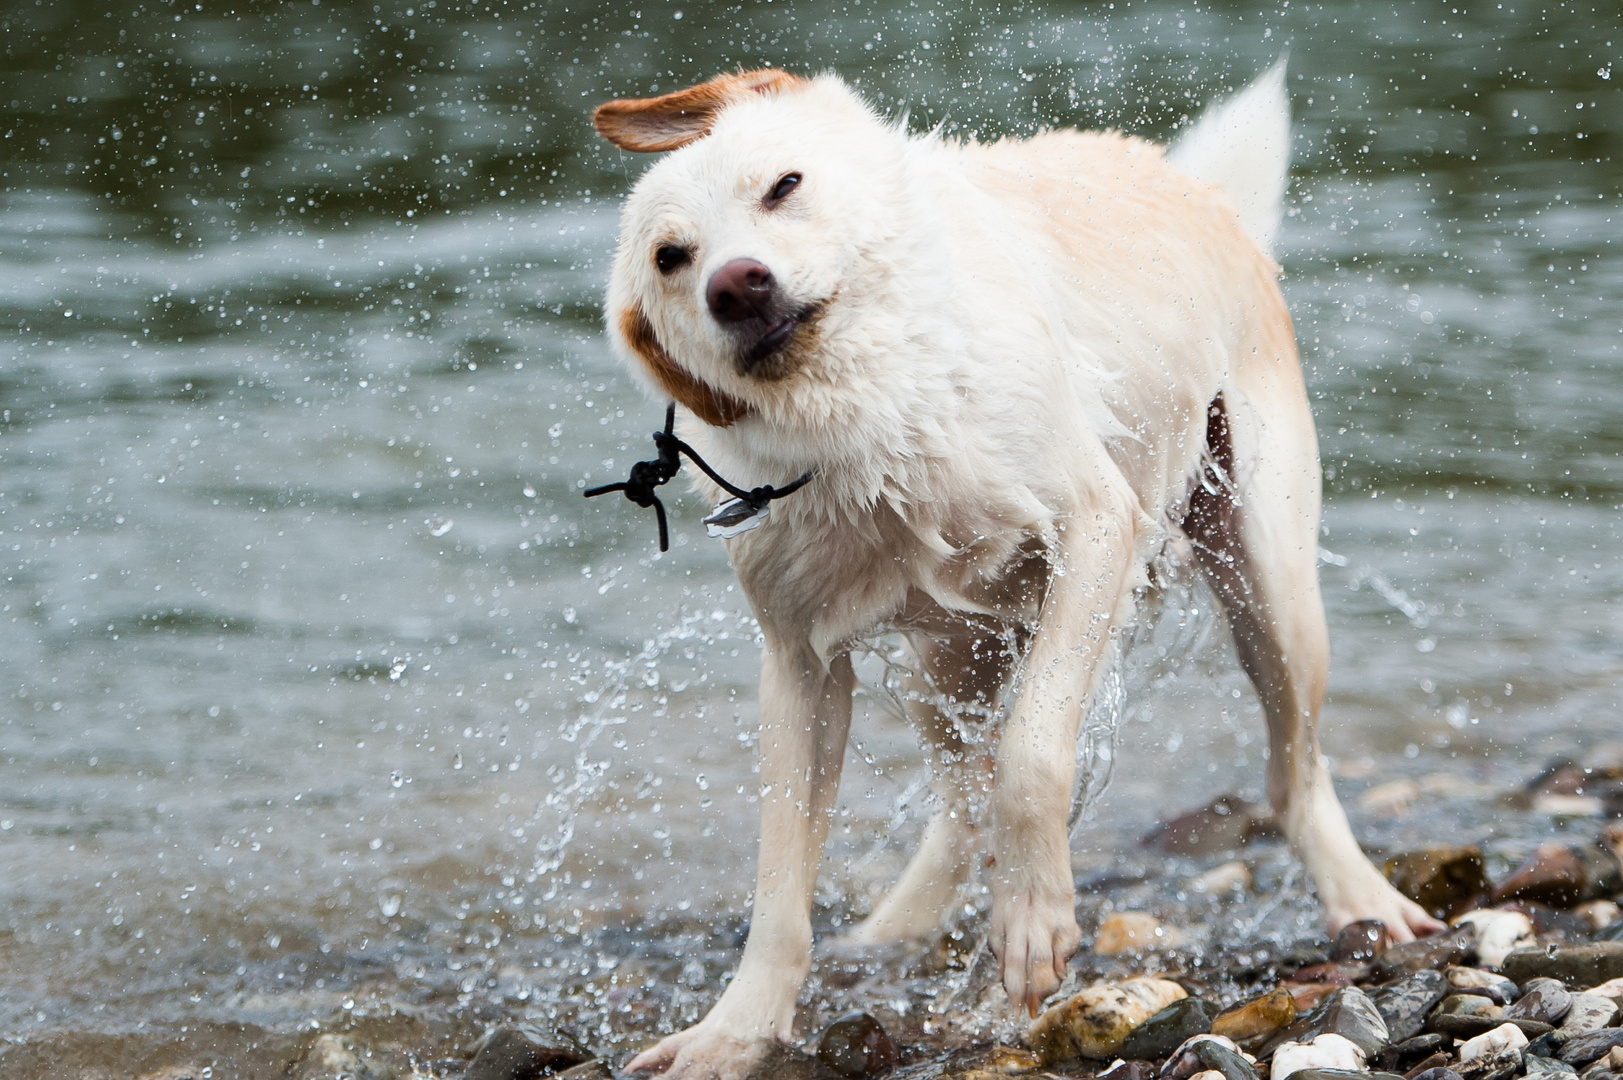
x=744, y=298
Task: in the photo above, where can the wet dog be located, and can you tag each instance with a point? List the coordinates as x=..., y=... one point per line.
x=1018, y=372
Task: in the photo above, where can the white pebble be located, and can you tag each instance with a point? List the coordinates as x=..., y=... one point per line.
x=1327, y=1051
x=1502, y=1039
x=1498, y=933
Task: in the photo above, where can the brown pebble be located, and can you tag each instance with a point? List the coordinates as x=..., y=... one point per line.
x=1436, y=1061
x=1552, y=875
x=1095, y=1022
x=856, y=1045
x=1362, y=940
x=1309, y=996
x=1132, y=931
x=1439, y=879
x=1256, y=1019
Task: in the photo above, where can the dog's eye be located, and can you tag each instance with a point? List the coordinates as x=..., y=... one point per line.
x=780, y=191
x=670, y=258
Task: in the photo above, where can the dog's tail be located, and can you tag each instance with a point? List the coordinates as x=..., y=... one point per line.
x=1243, y=145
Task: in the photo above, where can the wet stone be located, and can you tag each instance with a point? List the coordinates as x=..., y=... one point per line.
x=1255, y=1021
x=1170, y=1028
x=1534, y=1066
x=1125, y=932
x=1402, y=1056
x=1351, y=1014
x=1439, y=879
x=586, y=1070
x=1438, y=1073
x=1499, y=932
x=333, y=1055
x=1430, y=1063
x=1224, y=824
x=856, y=1045
x=1095, y=1022
x=1552, y=875
x=506, y=1053
x=1333, y=974
x=1504, y=1039
x=1575, y=965
x=1580, y=1050
x=1544, y=1000
x=1590, y=1012
x=1208, y=1053
x=1359, y=941
x=1404, y=1005
x=1436, y=951
x=1607, y=1067
x=1465, y=1016
x=1469, y=980
x=1327, y=1051
x=1547, y=1044
x=1343, y=1074
x=1128, y=1070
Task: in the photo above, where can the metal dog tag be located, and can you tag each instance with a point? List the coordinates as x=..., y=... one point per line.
x=733, y=517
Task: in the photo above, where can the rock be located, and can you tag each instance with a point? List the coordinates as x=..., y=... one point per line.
x=1433, y=1063
x=1133, y=931
x=1436, y=1072
x=1607, y=1067
x=586, y=1070
x=856, y=1045
x=1439, y=879
x=1224, y=824
x=1255, y=1021
x=1343, y=1074
x=1404, y=1005
x=1120, y=1070
x=1205, y=1053
x=1544, y=1000
x=1169, y=1029
x=1465, y=1016
x=1468, y=980
x=1552, y=875
x=1548, y=1044
x=1327, y=1051
x=1351, y=1014
x=333, y=1055
x=1580, y=1050
x=1231, y=877
x=1310, y=996
x=1590, y=1012
x=1612, y=988
x=1359, y=941
x=1575, y=965
x=1493, y=1067
x=1436, y=951
x=506, y=1053
x=1554, y=1068
x=1095, y=1022
x=1498, y=933
x=1402, y=1056
x=1599, y=914
x=1502, y=1039
x=1391, y=799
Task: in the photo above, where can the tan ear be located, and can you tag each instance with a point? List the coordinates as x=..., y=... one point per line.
x=648, y=125
x=715, y=407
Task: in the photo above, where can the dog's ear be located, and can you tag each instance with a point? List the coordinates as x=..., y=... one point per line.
x=673, y=120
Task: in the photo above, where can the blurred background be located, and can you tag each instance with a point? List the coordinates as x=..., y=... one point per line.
x=323, y=691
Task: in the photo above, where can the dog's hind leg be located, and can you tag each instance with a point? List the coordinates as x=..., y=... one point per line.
x=961, y=678
x=1254, y=524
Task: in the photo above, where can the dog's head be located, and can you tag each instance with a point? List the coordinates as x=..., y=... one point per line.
x=736, y=248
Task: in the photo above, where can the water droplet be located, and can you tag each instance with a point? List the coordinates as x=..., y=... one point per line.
x=529, y=491
x=396, y=778
x=438, y=526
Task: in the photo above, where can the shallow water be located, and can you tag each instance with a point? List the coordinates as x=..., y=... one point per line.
x=326, y=696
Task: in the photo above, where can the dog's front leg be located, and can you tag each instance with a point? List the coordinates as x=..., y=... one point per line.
x=1034, y=930
x=805, y=715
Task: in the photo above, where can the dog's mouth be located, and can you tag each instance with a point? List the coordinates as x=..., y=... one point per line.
x=768, y=356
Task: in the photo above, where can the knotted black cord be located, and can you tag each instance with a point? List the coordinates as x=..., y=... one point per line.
x=648, y=475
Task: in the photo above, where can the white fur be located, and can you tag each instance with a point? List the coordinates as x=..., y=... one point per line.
x=1007, y=411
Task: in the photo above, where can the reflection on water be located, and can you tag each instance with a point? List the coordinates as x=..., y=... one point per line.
x=323, y=685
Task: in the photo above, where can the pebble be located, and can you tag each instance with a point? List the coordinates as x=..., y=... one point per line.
x=1343, y=1074
x=1133, y=931
x=1259, y=1018
x=1404, y=1005
x=1536, y=1066
x=1544, y=1000
x=1610, y=1065
x=1502, y=1039
x=1435, y=1073
x=588, y=1070
x=1468, y=980
x=1434, y=1063
x=1552, y=875
x=1351, y=1014
x=1391, y=799
x=333, y=1055
x=1589, y=1012
x=1582, y=1049
x=1118, y=1070
x=1612, y=988
x=1359, y=941
x=1327, y=1051
x=1404, y=1055
x=1439, y=879
x=1436, y=951
x=856, y=1045
x=1205, y=1053
x=1575, y=965
x=1224, y=824
x=1465, y=1016
x=506, y=1053
x=1170, y=1028
x=1599, y=913
x=1231, y=877
x=1499, y=933
x=1095, y=1022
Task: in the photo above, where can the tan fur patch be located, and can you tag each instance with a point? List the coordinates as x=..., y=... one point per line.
x=671, y=121
x=715, y=407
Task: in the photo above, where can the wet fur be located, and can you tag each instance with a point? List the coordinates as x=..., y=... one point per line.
x=1036, y=364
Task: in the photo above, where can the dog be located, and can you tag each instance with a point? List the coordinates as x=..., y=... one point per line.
x=1018, y=372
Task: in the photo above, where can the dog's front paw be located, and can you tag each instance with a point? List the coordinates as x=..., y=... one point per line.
x=1034, y=935
x=702, y=1052
x=1368, y=895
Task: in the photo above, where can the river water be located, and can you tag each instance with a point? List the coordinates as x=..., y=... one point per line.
x=326, y=700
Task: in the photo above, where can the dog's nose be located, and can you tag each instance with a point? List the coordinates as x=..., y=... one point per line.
x=740, y=290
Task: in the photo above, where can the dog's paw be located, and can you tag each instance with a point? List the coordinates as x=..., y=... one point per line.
x=702, y=1052
x=1371, y=896
x=1034, y=935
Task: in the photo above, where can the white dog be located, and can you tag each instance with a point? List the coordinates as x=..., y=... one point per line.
x=1017, y=372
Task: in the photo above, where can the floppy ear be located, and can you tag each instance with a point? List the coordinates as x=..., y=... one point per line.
x=673, y=120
